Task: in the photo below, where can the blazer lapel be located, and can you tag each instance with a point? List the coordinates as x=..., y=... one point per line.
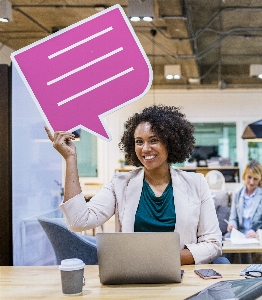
x=181, y=203
x=133, y=193
x=240, y=208
x=256, y=202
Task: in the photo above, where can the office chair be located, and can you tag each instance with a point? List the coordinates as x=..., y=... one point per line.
x=223, y=213
x=69, y=244
x=221, y=198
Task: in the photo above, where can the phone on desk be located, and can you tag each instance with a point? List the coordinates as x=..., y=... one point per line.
x=208, y=273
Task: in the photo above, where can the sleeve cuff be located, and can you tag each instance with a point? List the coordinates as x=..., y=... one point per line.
x=73, y=205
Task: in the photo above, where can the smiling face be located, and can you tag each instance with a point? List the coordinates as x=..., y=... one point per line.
x=251, y=181
x=149, y=149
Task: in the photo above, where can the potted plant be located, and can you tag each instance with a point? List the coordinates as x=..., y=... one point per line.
x=122, y=163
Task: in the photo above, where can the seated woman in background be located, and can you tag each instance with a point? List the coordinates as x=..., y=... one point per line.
x=246, y=208
x=154, y=197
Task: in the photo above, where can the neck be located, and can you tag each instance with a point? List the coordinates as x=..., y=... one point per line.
x=159, y=176
x=249, y=191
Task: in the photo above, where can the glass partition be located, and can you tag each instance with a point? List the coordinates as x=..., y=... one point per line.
x=255, y=151
x=213, y=141
x=218, y=138
x=36, y=177
x=86, y=148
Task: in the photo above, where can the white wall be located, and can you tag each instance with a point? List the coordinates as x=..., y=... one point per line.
x=242, y=106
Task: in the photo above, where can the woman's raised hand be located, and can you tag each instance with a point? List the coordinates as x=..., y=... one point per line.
x=62, y=142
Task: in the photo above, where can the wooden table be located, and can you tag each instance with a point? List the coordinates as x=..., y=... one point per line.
x=44, y=283
x=228, y=247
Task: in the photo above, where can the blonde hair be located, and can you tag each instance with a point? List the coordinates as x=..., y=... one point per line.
x=256, y=168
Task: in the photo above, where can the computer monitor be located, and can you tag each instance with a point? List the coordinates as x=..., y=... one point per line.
x=204, y=153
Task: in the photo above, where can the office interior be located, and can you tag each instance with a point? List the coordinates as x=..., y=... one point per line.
x=35, y=172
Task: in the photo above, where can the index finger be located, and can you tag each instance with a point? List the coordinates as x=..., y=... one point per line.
x=51, y=138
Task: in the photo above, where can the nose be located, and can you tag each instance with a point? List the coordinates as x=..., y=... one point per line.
x=146, y=146
x=252, y=181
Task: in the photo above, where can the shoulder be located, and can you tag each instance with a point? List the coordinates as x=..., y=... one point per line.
x=191, y=183
x=127, y=176
x=236, y=194
x=259, y=190
x=187, y=176
x=189, y=180
x=239, y=190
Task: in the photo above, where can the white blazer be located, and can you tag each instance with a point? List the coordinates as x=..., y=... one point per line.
x=196, y=219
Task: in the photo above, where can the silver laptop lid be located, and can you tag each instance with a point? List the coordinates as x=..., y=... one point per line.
x=140, y=257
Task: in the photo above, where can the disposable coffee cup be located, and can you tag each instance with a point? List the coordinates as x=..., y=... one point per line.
x=260, y=236
x=72, y=276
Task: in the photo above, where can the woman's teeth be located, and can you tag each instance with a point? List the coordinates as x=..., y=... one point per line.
x=150, y=157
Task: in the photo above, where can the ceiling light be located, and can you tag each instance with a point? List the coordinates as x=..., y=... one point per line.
x=99, y=7
x=147, y=19
x=172, y=71
x=135, y=19
x=253, y=131
x=5, y=11
x=141, y=10
x=255, y=70
x=194, y=80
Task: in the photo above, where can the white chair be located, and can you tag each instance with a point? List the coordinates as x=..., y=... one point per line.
x=215, y=180
x=217, y=186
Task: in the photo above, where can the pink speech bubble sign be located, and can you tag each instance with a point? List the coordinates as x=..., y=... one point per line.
x=86, y=71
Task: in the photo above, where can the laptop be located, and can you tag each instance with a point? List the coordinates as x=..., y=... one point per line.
x=139, y=257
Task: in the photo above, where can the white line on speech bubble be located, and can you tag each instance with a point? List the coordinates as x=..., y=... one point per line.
x=85, y=66
x=95, y=86
x=80, y=42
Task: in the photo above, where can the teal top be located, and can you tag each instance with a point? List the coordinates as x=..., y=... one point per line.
x=155, y=214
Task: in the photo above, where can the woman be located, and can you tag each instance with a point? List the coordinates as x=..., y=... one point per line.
x=155, y=197
x=246, y=209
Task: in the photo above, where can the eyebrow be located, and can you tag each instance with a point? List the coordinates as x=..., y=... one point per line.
x=254, y=176
x=152, y=136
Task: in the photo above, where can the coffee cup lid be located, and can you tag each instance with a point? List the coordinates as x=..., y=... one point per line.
x=71, y=264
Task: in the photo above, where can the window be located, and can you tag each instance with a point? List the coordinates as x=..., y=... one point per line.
x=86, y=149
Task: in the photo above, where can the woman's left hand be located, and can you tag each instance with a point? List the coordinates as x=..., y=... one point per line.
x=251, y=234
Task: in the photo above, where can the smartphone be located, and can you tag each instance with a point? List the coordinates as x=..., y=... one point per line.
x=208, y=273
